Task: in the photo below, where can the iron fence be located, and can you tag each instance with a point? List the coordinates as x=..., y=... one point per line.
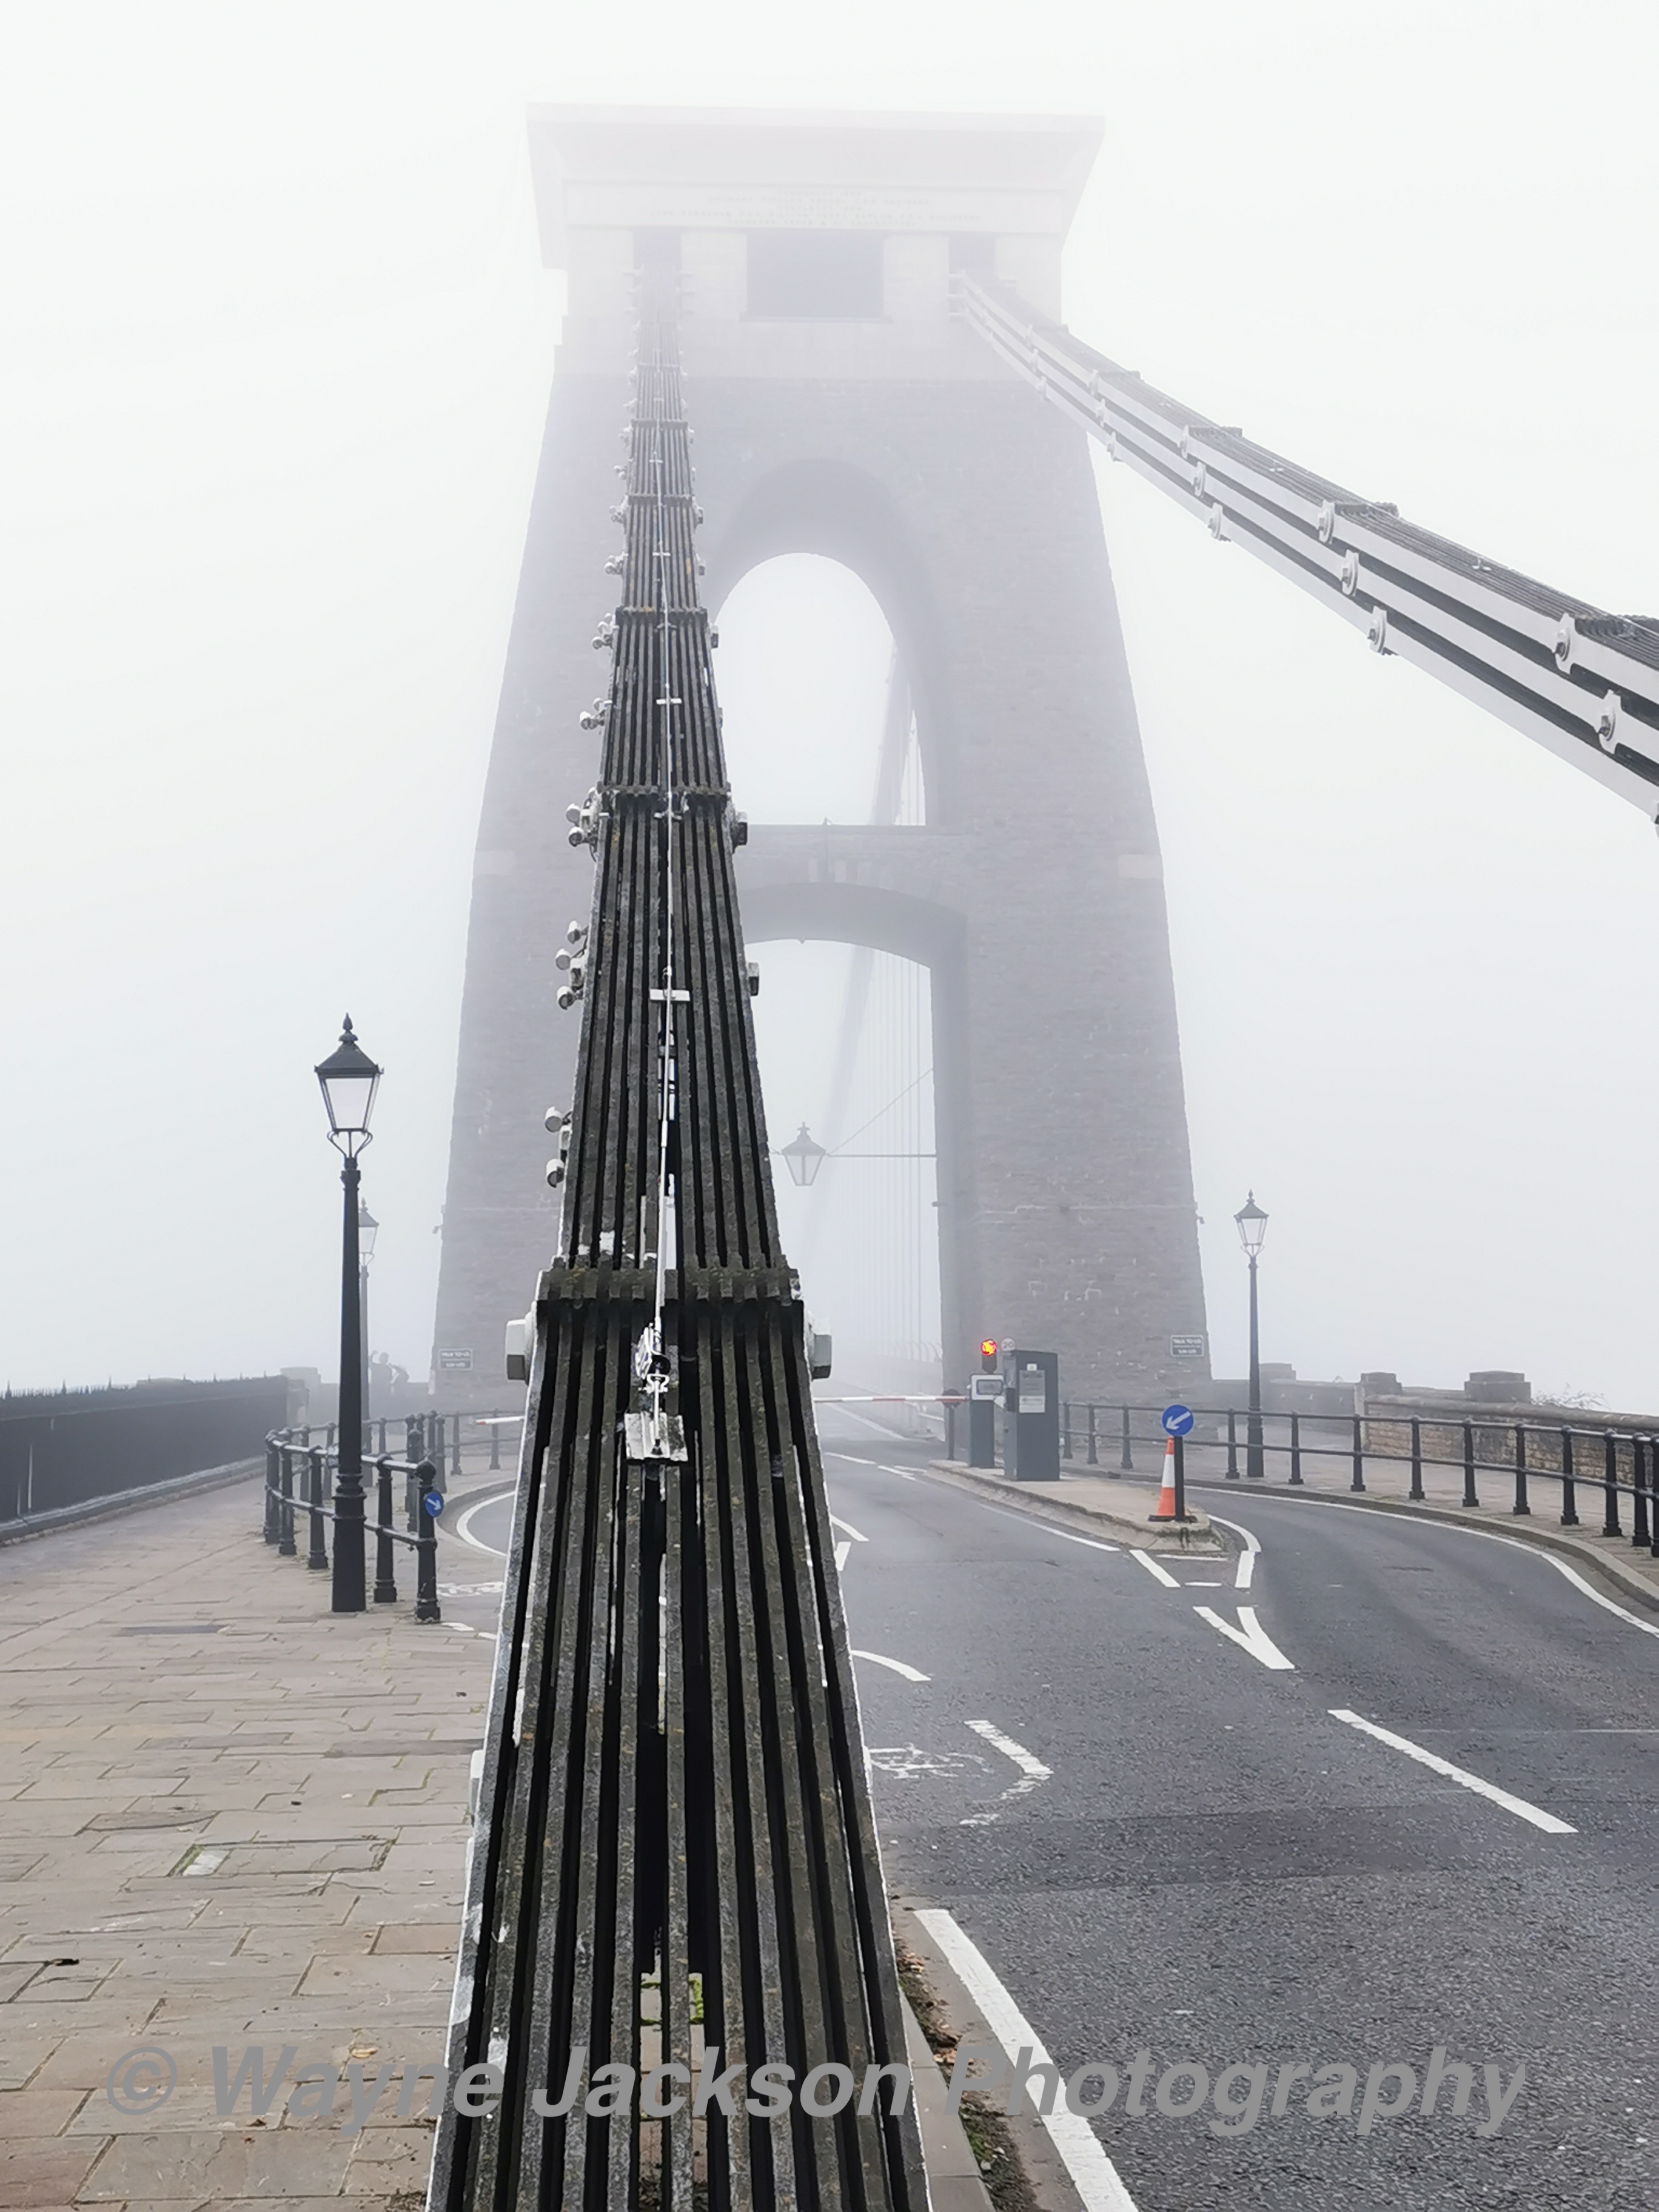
x=300, y=1485
x=1618, y=1464
x=71, y=1447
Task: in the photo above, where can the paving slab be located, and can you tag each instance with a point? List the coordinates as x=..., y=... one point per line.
x=205, y=1843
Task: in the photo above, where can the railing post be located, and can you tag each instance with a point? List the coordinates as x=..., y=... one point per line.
x=385, y=1581
x=1126, y=1457
x=1569, y=1493
x=1357, y=1479
x=285, y=1547
x=1065, y=1429
x=950, y=1430
x=380, y=1445
x=1232, y=1446
x=319, y=1556
x=414, y=1452
x=1296, y=1451
x=454, y=1447
x=1091, y=1450
x=1417, y=1491
x=1520, y=1504
x=426, y=1574
x=1610, y=1485
x=1470, y=1497
x=273, y=1511
x=496, y=1443
x=1642, y=1448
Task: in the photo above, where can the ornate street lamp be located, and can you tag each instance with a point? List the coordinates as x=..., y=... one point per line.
x=1252, y=1228
x=804, y=1158
x=349, y=1080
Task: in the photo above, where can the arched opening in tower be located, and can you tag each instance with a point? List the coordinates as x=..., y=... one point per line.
x=819, y=727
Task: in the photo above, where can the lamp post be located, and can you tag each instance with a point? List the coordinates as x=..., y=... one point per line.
x=367, y=1228
x=804, y=1157
x=1252, y=1228
x=349, y=1080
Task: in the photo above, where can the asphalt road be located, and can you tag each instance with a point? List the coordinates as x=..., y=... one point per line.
x=1162, y=1843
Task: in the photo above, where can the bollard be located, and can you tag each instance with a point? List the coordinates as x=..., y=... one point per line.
x=1569, y=1494
x=1642, y=1449
x=426, y=1571
x=495, y=1443
x=1232, y=1447
x=1126, y=1462
x=1359, y=1481
x=1520, y=1504
x=285, y=1547
x=385, y=1581
x=1469, y=1496
x=1610, y=1485
x=273, y=1510
x=1416, y=1492
x=1296, y=1451
x=319, y=1556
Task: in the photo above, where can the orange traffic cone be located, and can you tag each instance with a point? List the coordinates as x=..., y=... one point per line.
x=1166, y=1495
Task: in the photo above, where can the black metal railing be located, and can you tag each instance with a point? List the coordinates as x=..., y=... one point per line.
x=1626, y=1460
x=300, y=1485
x=65, y=1449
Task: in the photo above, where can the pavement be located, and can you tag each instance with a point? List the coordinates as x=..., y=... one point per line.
x=227, y=1817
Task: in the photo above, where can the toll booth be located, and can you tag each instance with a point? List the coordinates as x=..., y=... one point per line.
x=1031, y=1424
x=985, y=1394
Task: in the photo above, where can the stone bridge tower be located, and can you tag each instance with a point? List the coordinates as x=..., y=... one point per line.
x=841, y=409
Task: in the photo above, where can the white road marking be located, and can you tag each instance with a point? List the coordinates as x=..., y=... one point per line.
x=1247, y=1558
x=1491, y=1536
x=463, y=1525
x=910, y=1673
x=1093, y=2175
x=1030, y=1767
x=1093, y=1542
x=1519, y=1806
x=1250, y=1636
x=847, y=1529
x=902, y=1473
x=906, y=1760
x=1158, y=1574
x=842, y=1551
x=1193, y=1581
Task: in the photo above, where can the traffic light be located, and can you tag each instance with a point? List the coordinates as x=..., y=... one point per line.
x=987, y=1354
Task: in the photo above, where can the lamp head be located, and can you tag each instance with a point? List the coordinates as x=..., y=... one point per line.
x=1252, y=1226
x=804, y=1157
x=349, y=1080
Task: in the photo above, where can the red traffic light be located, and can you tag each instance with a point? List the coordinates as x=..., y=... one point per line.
x=987, y=1351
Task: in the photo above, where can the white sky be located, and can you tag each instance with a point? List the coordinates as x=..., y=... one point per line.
x=275, y=353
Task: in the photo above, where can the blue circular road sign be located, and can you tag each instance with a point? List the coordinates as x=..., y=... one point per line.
x=434, y=1503
x=1177, y=1419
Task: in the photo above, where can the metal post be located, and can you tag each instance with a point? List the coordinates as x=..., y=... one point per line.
x=1125, y=1463
x=1642, y=1447
x=1358, y=1481
x=1180, y=1477
x=1091, y=1448
x=1064, y=1429
x=381, y=1444
x=273, y=1509
x=348, y=1564
x=318, y=1557
x=454, y=1447
x=426, y=1575
x=385, y=1581
x=1610, y=1485
x=950, y=1430
x=1469, y=1496
x=285, y=1547
x=1417, y=1491
x=414, y=1429
x=1253, y=1461
x=1296, y=1450
x=495, y=1443
x=1232, y=1446
x=1520, y=1504
x=1569, y=1493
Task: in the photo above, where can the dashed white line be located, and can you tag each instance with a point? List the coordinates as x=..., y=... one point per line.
x=1093, y=2175
x=1157, y=1573
x=1250, y=1636
x=1029, y=1765
x=910, y=1673
x=1518, y=1806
